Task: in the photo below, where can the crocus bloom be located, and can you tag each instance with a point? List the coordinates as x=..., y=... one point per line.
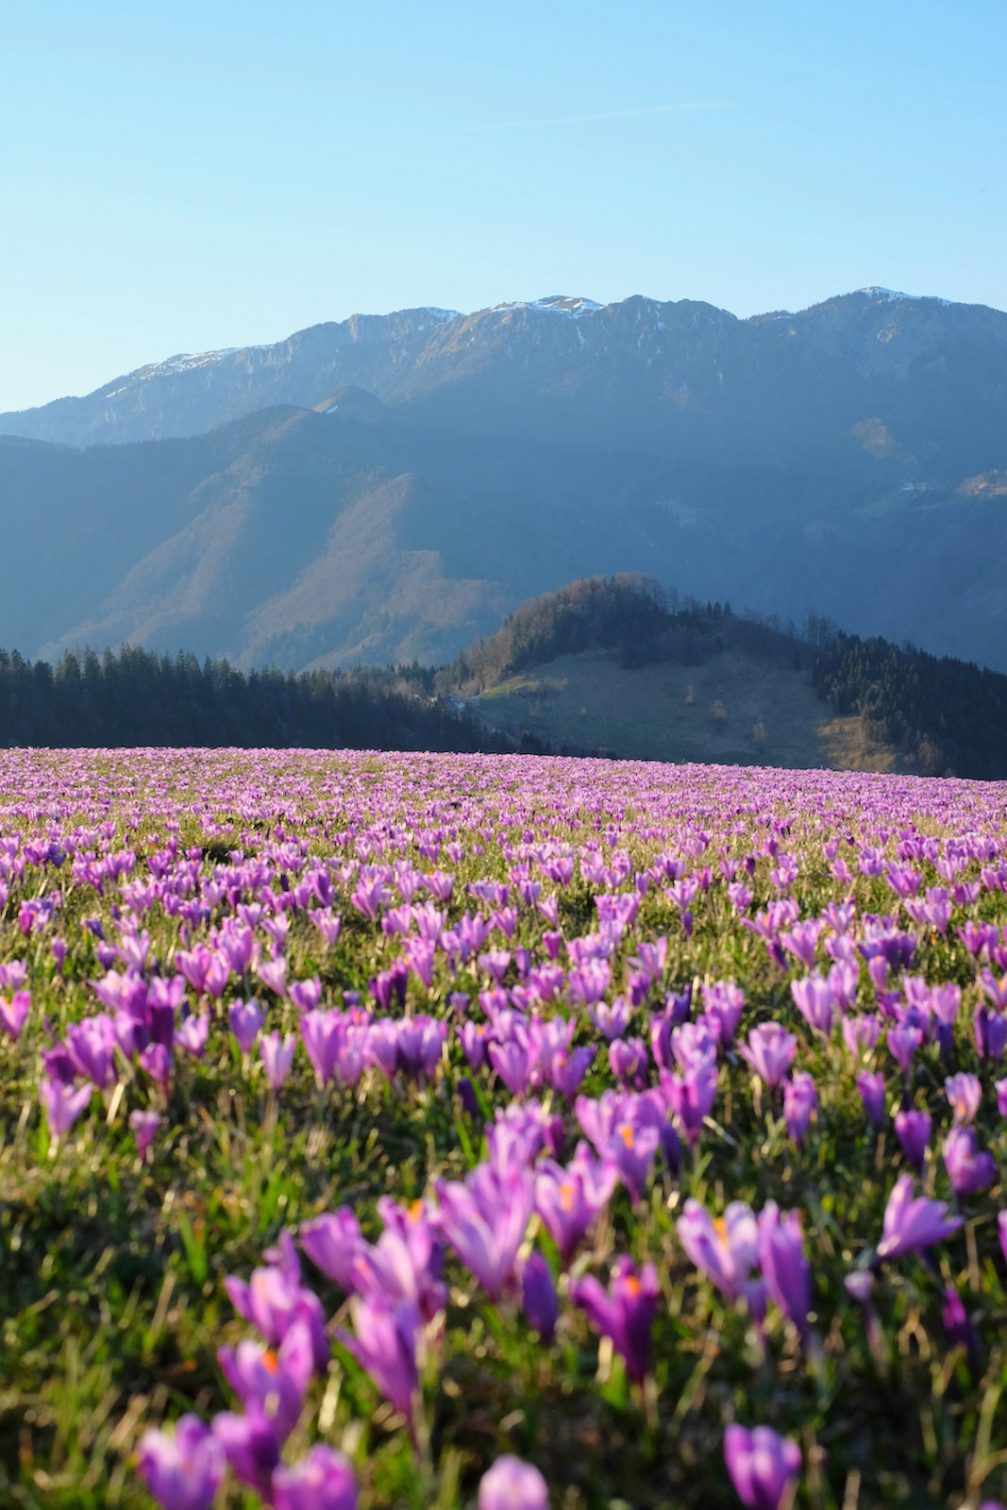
x=14, y=1012
x=872, y=1094
x=800, y=1102
x=144, y=1125
x=277, y=1055
x=323, y=1481
x=761, y=1464
x=632, y=1149
x=538, y=1296
x=624, y=1313
x=251, y=1446
x=274, y=1299
x=485, y=1220
x=568, y=1200
x=274, y=1383
x=815, y=999
x=911, y=1225
x=784, y=1265
x=513, y=1485
x=691, y=1096
x=725, y=1249
x=63, y=1105
x=386, y=1344
x=903, y=1043
x=913, y=1131
x=322, y=1034
x=333, y=1242
x=968, y=1168
x=770, y=1051
x=246, y=1019
x=965, y=1095
x=182, y=1472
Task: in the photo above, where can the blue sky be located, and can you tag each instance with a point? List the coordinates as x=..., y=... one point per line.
x=183, y=176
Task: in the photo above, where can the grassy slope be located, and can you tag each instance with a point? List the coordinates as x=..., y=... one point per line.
x=668, y=712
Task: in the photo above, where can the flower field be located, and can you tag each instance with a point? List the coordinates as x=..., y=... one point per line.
x=499, y=1131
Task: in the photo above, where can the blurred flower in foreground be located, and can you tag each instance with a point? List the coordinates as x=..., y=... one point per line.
x=323, y=1481
x=182, y=1472
x=762, y=1465
x=513, y=1485
x=911, y=1225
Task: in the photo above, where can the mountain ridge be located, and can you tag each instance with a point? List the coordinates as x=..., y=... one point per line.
x=413, y=342
x=389, y=496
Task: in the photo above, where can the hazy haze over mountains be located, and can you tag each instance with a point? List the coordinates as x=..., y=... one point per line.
x=389, y=486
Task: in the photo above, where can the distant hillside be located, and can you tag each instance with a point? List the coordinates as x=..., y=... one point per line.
x=610, y=665
x=388, y=487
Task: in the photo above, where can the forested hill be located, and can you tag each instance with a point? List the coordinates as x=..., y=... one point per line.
x=627, y=657
x=135, y=698
x=950, y=713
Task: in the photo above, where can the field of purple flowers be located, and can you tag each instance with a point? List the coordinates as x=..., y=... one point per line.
x=406, y=1130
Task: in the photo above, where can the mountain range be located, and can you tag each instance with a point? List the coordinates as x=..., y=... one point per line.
x=389, y=487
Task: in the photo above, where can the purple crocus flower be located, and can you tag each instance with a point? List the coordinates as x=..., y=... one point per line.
x=784, y=1265
x=770, y=1051
x=91, y=1046
x=322, y=1035
x=990, y=1033
x=902, y=1043
x=277, y=1055
x=386, y=1345
x=912, y=1129
x=272, y=1383
x=324, y=1480
x=144, y=1125
x=800, y=1102
x=911, y=1225
x=568, y=1200
x=513, y=1485
x=538, y=1296
x=14, y=1012
x=485, y=1220
x=334, y=1243
x=185, y=1471
x=624, y=1313
x=192, y=1034
x=872, y=1094
x=725, y=1249
x=63, y=1105
x=251, y=1446
x=627, y=1058
x=860, y=1034
x=691, y=1096
x=965, y=1094
x=631, y=1149
x=762, y=1465
x=815, y=999
x=514, y=1063
x=246, y=1019
x=968, y=1168
x=274, y=1299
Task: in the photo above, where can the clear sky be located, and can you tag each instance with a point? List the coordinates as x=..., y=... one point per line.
x=179, y=175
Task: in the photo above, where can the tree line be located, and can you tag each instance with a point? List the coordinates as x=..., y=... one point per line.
x=134, y=697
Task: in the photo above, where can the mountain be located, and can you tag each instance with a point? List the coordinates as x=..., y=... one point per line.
x=389, y=487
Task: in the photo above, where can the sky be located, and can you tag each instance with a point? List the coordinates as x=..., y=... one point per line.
x=183, y=176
